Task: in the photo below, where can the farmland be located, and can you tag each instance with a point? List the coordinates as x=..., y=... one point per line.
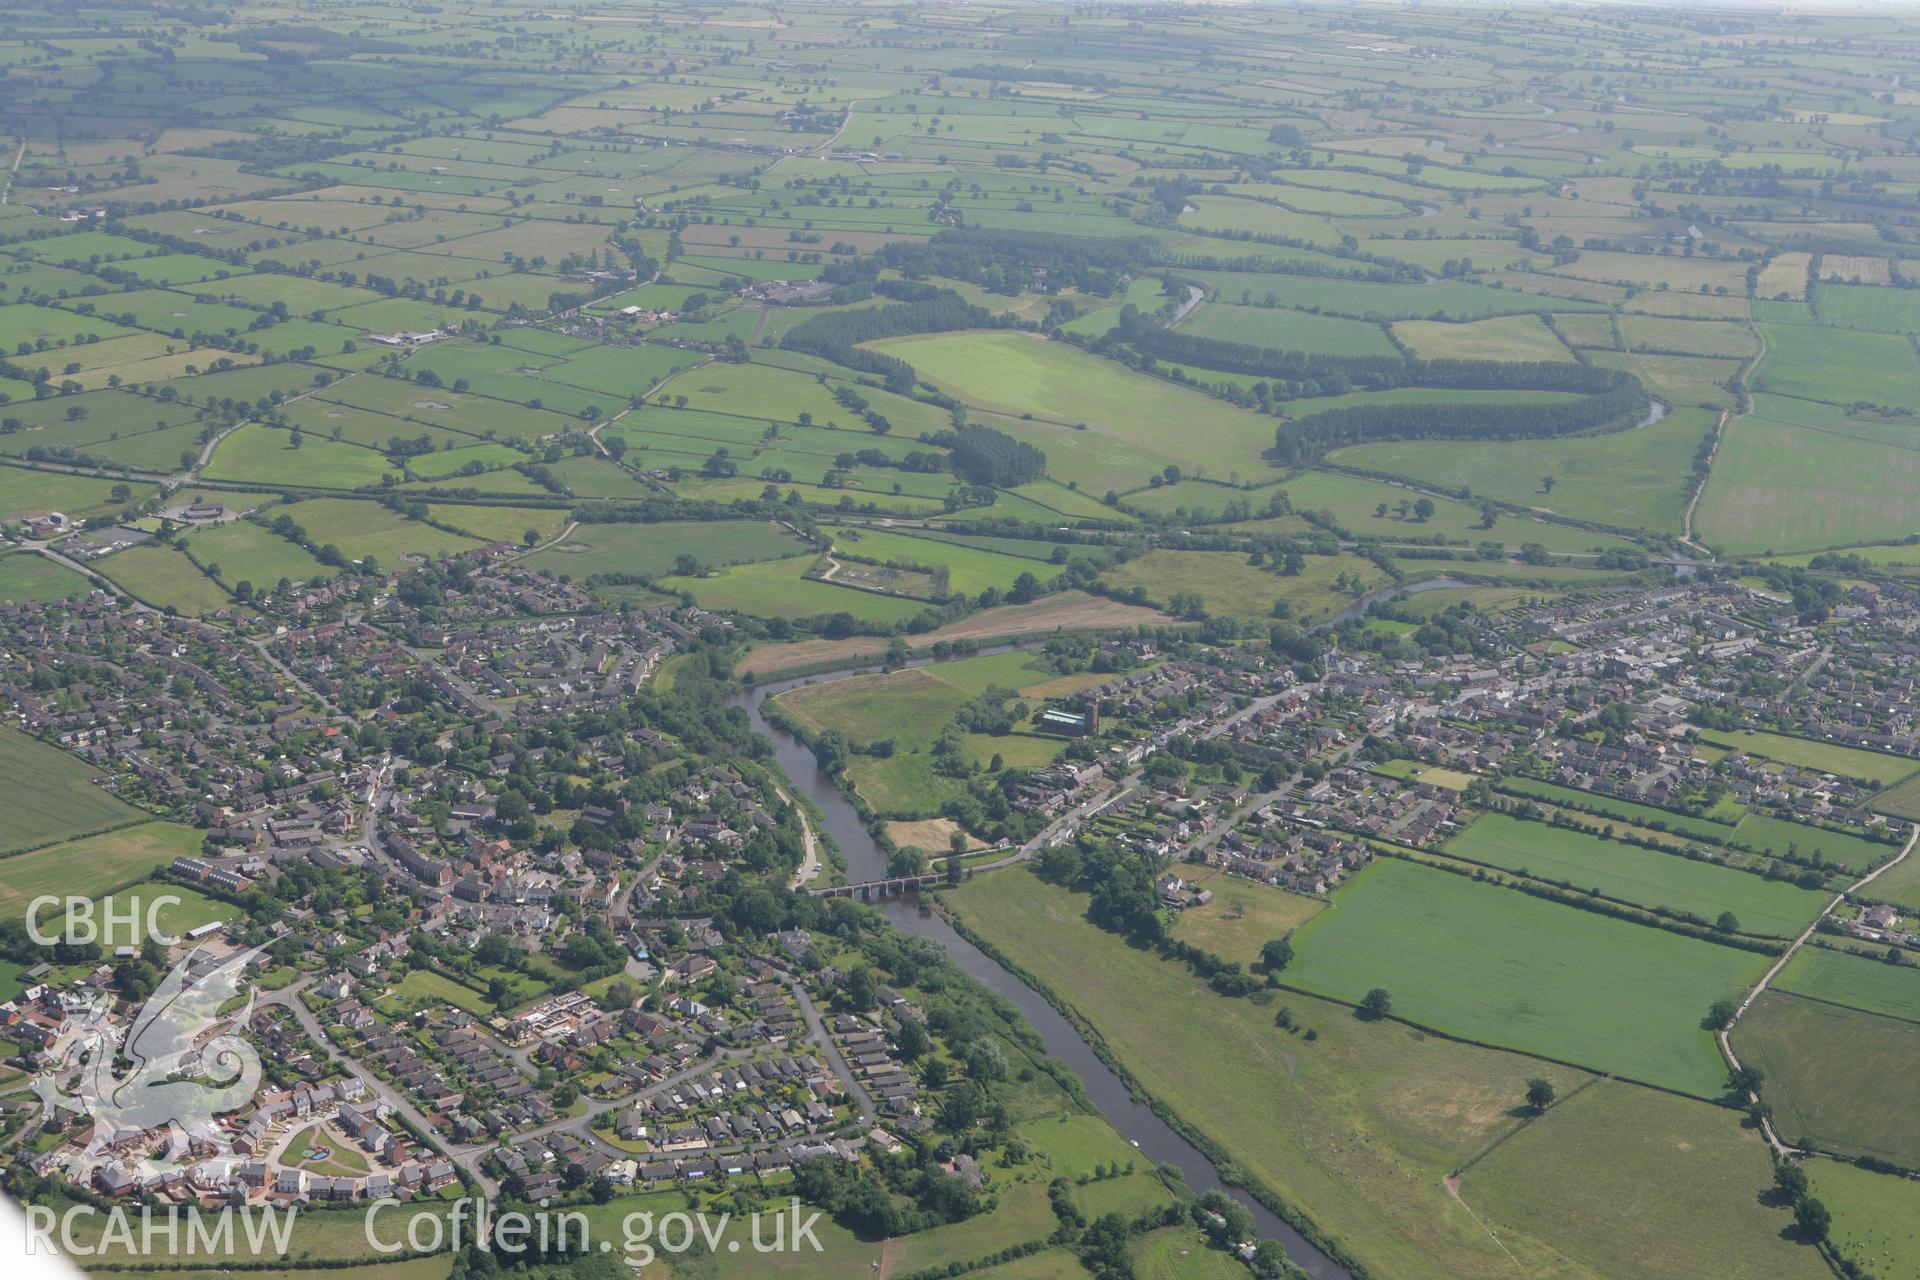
x=1524, y=979
x=1859, y=982
x=1014, y=375
x=50, y=795
x=1825, y=757
x=422, y=432
x=1835, y=1075
x=1365, y=1120
x=1642, y=877
x=93, y=865
x=650, y=550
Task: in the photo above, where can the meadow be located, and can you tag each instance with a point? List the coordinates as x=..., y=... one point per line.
x=1125, y=413
x=1585, y=1162
x=46, y=794
x=1839, y=367
x=1231, y=586
x=1784, y=486
x=1641, y=815
x=1523, y=337
x=1867, y=983
x=1876, y=1216
x=1836, y=1076
x=777, y=589
x=1630, y=479
x=1359, y=1126
x=30, y=579
x=1631, y=874
x=93, y=865
x=1822, y=757
x=1284, y=329
x=649, y=549
x=1497, y=966
x=243, y=551
x=971, y=570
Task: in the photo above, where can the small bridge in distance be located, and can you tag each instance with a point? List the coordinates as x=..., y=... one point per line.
x=890, y=887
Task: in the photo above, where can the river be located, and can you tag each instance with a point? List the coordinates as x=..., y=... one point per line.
x=1133, y=1119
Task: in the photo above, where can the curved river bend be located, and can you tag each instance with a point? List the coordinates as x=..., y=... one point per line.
x=865, y=861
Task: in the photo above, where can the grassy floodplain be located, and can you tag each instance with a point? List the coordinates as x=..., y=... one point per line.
x=1361, y=1124
x=1497, y=966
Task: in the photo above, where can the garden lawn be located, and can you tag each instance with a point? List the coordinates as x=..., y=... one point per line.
x=1499, y=967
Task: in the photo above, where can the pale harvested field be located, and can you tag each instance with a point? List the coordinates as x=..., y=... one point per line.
x=1849, y=267
x=1786, y=274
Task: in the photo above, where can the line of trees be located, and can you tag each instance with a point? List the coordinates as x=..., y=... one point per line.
x=1298, y=442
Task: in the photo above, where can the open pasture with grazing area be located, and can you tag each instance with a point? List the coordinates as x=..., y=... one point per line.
x=50, y=795
x=1641, y=877
x=1836, y=1076
x=1366, y=1119
x=1500, y=967
x=425, y=432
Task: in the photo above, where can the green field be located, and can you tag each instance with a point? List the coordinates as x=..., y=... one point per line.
x=243, y=551
x=1497, y=966
x=165, y=578
x=1633, y=479
x=649, y=550
x=1285, y=330
x=92, y=865
x=1585, y=1165
x=1497, y=338
x=260, y=455
x=1822, y=757
x=1640, y=815
x=32, y=579
x=1876, y=1216
x=421, y=989
x=48, y=795
x=970, y=570
x=1785, y=486
x=1836, y=1076
x=1839, y=366
x=1859, y=982
x=1629, y=873
x=776, y=589
x=908, y=709
x=1360, y=1125
x=1231, y=586
x=1015, y=374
